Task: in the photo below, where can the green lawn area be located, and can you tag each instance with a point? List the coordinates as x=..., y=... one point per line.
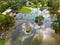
x=2, y=41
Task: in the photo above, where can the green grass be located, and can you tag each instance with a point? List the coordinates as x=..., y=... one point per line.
x=24, y=10
x=2, y=41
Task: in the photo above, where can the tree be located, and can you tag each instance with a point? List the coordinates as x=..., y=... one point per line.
x=43, y=2
x=54, y=7
x=54, y=4
x=14, y=4
x=3, y=6
x=39, y=19
x=6, y=22
x=17, y=4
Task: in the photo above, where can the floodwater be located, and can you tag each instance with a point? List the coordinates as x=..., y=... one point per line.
x=40, y=35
